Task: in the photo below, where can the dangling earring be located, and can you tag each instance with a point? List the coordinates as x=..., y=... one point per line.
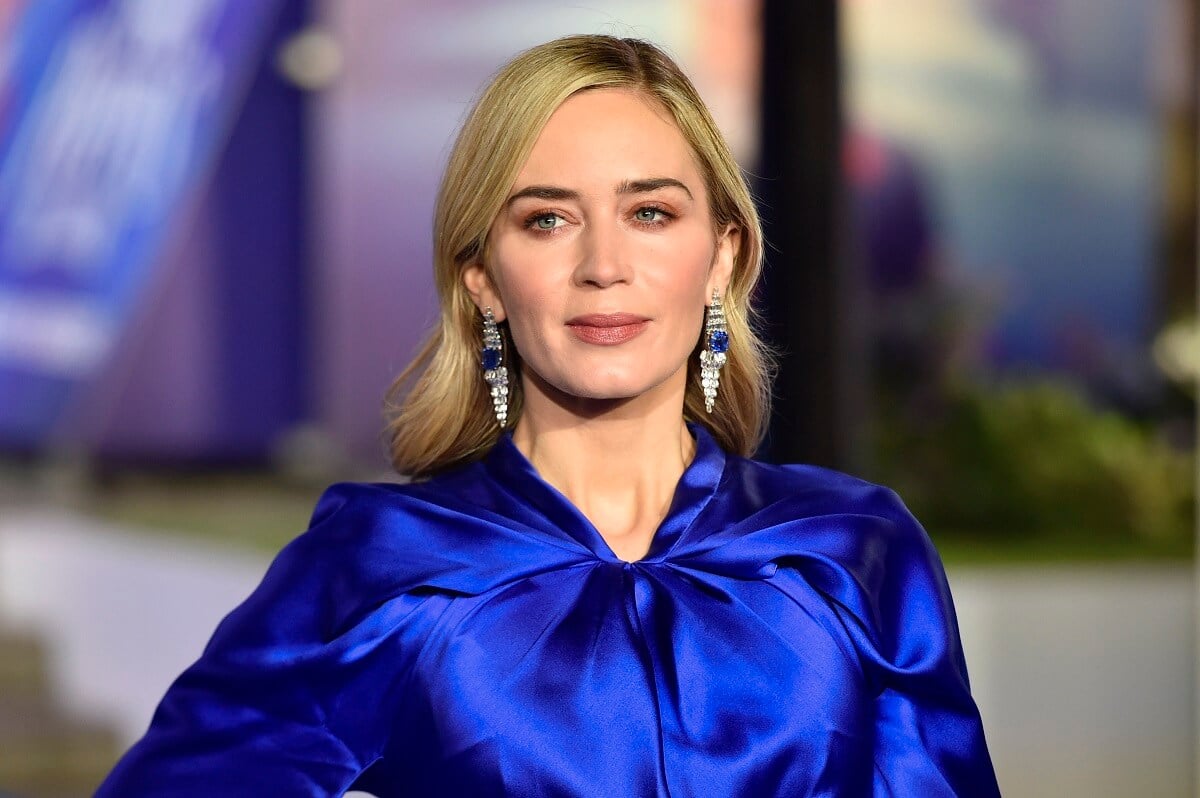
x=494, y=372
x=712, y=356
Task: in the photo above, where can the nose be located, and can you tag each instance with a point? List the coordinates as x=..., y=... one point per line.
x=603, y=257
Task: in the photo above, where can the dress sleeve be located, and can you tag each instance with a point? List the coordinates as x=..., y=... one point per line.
x=289, y=696
x=929, y=739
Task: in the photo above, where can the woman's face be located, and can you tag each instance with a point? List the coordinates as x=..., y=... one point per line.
x=605, y=252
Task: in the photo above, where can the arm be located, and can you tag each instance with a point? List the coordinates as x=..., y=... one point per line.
x=928, y=735
x=288, y=697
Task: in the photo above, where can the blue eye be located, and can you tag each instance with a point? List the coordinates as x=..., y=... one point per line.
x=649, y=214
x=547, y=221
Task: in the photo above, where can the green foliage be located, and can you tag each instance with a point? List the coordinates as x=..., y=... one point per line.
x=1036, y=461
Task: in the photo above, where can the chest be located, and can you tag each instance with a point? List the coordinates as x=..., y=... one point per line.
x=638, y=679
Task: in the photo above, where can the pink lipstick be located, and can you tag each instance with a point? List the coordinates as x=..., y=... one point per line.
x=607, y=329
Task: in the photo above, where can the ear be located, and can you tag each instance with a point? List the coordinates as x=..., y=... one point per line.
x=728, y=245
x=483, y=293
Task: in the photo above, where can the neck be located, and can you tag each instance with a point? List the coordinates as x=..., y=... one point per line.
x=617, y=462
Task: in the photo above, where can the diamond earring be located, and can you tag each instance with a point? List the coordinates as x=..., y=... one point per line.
x=713, y=355
x=494, y=372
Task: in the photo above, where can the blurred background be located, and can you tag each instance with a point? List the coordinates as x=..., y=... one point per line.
x=215, y=256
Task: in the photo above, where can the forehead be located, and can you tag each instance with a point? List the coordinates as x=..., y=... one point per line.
x=605, y=136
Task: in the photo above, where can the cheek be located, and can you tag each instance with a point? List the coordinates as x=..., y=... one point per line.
x=523, y=288
x=528, y=303
x=682, y=270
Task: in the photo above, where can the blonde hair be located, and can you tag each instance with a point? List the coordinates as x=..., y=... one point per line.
x=440, y=410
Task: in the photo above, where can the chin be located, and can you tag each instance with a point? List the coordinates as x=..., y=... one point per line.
x=605, y=392
x=608, y=379
x=613, y=387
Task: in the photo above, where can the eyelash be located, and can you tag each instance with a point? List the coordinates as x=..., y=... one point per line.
x=531, y=220
x=664, y=214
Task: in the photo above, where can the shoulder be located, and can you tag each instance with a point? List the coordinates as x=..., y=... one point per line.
x=349, y=512
x=828, y=526
x=362, y=501
x=854, y=541
x=369, y=544
x=365, y=543
x=812, y=491
x=351, y=516
x=840, y=531
x=349, y=522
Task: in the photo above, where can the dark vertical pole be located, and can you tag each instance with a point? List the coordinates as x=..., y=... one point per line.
x=804, y=294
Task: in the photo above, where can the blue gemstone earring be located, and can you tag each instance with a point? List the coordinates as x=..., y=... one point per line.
x=494, y=372
x=713, y=355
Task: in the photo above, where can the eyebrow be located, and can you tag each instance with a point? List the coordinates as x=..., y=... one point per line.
x=651, y=184
x=644, y=186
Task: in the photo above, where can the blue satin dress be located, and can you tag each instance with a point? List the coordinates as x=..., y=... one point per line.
x=789, y=633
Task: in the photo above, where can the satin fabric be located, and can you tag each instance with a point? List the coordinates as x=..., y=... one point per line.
x=790, y=632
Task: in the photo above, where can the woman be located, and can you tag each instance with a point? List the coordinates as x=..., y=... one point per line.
x=587, y=590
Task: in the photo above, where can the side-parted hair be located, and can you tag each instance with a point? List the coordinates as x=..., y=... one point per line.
x=440, y=410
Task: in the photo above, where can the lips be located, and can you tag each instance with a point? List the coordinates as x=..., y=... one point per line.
x=607, y=329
